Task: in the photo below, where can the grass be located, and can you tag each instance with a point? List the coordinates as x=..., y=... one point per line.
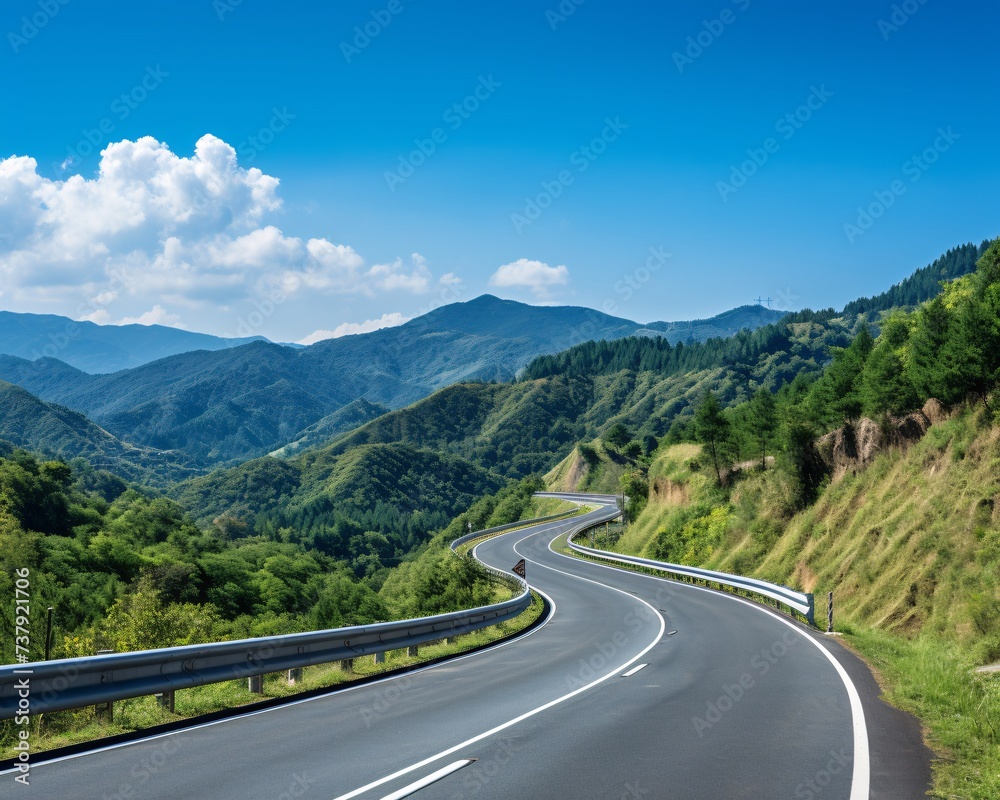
x=546, y=506
x=64, y=728
x=935, y=681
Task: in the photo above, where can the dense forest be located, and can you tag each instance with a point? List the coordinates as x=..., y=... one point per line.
x=740, y=354
x=124, y=570
x=370, y=506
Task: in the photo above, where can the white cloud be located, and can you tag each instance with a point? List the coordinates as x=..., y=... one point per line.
x=157, y=315
x=154, y=230
x=349, y=328
x=535, y=275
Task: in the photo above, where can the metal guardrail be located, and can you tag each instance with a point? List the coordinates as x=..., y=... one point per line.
x=45, y=686
x=799, y=601
x=583, y=497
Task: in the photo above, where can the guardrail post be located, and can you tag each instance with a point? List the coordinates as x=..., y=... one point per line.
x=380, y=658
x=294, y=675
x=829, y=613
x=413, y=650
x=255, y=684
x=347, y=664
x=166, y=700
x=105, y=711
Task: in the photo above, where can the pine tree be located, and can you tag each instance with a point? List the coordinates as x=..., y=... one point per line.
x=929, y=336
x=712, y=429
x=885, y=386
x=763, y=419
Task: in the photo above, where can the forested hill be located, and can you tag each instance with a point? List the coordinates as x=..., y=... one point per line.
x=748, y=346
x=55, y=431
x=925, y=283
x=371, y=506
x=646, y=384
x=740, y=352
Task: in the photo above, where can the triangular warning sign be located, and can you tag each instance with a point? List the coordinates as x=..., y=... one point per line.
x=519, y=568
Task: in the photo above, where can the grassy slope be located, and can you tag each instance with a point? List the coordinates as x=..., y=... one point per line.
x=575, y=474
x=911, y=549
x=909, y=545
x=671, y=486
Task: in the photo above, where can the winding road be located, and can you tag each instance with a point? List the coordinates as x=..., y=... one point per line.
x=635, y=687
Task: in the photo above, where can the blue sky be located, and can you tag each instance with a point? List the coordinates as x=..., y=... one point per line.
x=412, y=153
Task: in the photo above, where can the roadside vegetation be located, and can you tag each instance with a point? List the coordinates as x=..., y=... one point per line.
x=125, y=571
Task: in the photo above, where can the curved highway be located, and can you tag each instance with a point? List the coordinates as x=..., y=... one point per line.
x=635, y=687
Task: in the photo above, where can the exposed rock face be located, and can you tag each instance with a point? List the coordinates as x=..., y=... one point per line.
x=855, y=445
x=935, y=411
x=668, y=492
x=577, y=472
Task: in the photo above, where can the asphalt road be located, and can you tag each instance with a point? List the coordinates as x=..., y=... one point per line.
x=636, y=687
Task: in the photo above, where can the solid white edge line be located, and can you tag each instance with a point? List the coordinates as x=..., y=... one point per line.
x=434, y=777
x=861, y=774
x=634, y=670
x=527, y=714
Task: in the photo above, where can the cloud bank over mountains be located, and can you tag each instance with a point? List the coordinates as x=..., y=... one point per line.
x=155, y=236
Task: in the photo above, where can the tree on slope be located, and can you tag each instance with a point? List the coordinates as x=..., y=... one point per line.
x=763, y=418
x=712, y=429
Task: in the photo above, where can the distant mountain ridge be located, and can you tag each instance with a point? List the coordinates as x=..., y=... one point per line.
x=231, y=404
x=721, y=326
x=55, y=431
x=100, y=348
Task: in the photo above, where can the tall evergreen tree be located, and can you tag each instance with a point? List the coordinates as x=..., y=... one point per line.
x=835, y=397
x=712, y=429
x=925, y=368
x=763, y=418
x=885, y=385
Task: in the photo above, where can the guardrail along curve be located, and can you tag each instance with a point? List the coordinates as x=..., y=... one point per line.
x=45, y=686
x=802, y=602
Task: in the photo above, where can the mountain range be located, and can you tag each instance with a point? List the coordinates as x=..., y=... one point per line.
x=225, y=405
x=192, y=411
x=100, y=348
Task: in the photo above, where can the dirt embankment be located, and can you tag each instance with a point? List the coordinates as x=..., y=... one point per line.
x=668, y=492
x=577, y=472
x=855, y=445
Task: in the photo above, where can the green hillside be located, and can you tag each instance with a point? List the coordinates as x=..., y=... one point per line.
x=58, y=432
x=371, y=506
x=527, y=426
x=351, y=416
x=925, y=283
